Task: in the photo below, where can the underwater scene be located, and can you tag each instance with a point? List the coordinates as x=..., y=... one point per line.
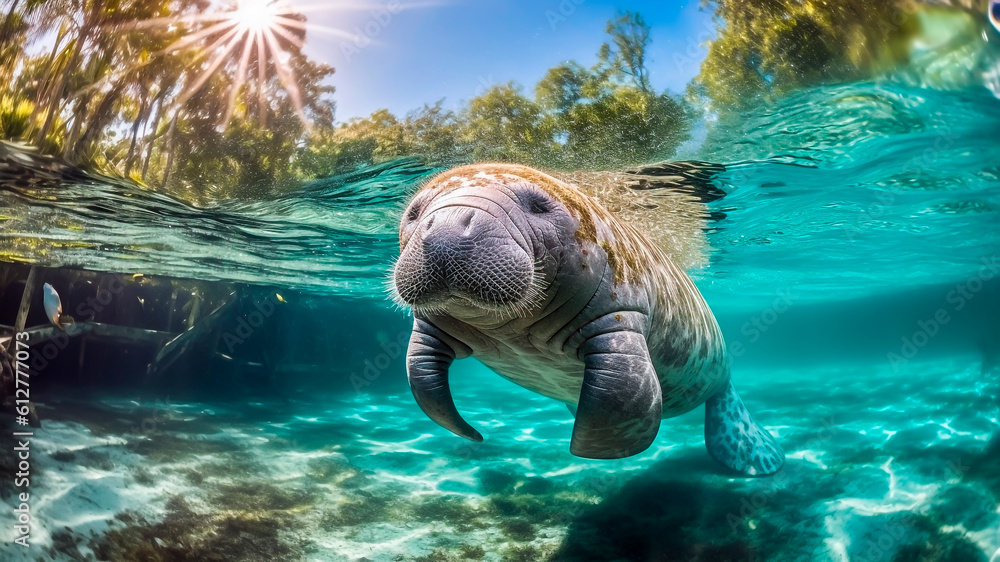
x=505, y=281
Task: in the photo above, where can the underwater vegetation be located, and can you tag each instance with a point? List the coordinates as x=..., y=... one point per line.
x=364, y=478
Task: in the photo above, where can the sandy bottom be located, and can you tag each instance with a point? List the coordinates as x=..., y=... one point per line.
x=882, y=466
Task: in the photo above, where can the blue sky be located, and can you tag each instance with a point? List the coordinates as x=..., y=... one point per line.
x=423, y=51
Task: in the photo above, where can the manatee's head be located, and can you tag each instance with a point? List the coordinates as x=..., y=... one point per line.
x=477, y=238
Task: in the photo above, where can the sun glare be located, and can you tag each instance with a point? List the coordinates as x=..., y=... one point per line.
x=252, y=39
x=258, y=31
x=255, y=15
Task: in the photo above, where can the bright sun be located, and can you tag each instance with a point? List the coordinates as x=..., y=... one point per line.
x=255, y=15
x=246, y=38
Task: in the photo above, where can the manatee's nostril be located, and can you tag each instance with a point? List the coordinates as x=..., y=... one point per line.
x=463, y=252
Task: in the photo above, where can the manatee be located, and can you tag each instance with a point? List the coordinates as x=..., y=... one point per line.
x=553, y=291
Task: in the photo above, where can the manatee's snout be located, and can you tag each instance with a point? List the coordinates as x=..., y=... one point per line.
x=463, y=253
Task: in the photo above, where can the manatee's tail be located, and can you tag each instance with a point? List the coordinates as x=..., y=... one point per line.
x=735, y=439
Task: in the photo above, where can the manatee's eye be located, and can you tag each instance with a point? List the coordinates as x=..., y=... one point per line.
x=414, y=212
x=536, y=202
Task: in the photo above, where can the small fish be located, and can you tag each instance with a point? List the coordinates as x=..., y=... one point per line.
x=53, y=307
x=52, y=304
x=282, y=299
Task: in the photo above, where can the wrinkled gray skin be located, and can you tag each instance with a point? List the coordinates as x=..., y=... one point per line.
x=496, y=270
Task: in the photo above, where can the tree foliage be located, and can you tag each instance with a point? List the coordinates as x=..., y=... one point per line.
x=503, y=124
x=605, y=116
x=109, y=91
x=625, y=56
x=766, y=48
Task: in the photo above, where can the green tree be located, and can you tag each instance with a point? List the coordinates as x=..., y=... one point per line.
x=624, y=58
x=608, y=115
x=110, y=92
x=502, y=124
x=766, y=48
x=436, y=132
x=432, y=133
x=364, y=140
x=624, y=127
x=562, y=87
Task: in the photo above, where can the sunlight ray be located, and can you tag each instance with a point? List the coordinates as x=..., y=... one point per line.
x=294, y=40
x=313, y=27
x=233, y=37
x=261, y=76
x=236, y=33
x=173, y=20
x=196, y=37
x=286, y=77
x=240, y=81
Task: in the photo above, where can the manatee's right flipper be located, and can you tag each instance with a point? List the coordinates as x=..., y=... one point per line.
x=428, y=359
x=735, y=439
x=620, y=402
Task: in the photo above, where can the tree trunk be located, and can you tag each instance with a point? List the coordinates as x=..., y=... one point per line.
x=10, y=15
x=56, y=94
x=140, y=117
x=74, y=132
x=102, y=116
x=89, y=24
x=151, y=139
x=171, y=145
x=45, y=81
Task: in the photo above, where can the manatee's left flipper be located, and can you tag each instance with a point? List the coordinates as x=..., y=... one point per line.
x=620, y=403
x=735, y=439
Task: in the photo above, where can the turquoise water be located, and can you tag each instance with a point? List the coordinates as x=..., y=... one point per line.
x=866, y=186
x=853, y=268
